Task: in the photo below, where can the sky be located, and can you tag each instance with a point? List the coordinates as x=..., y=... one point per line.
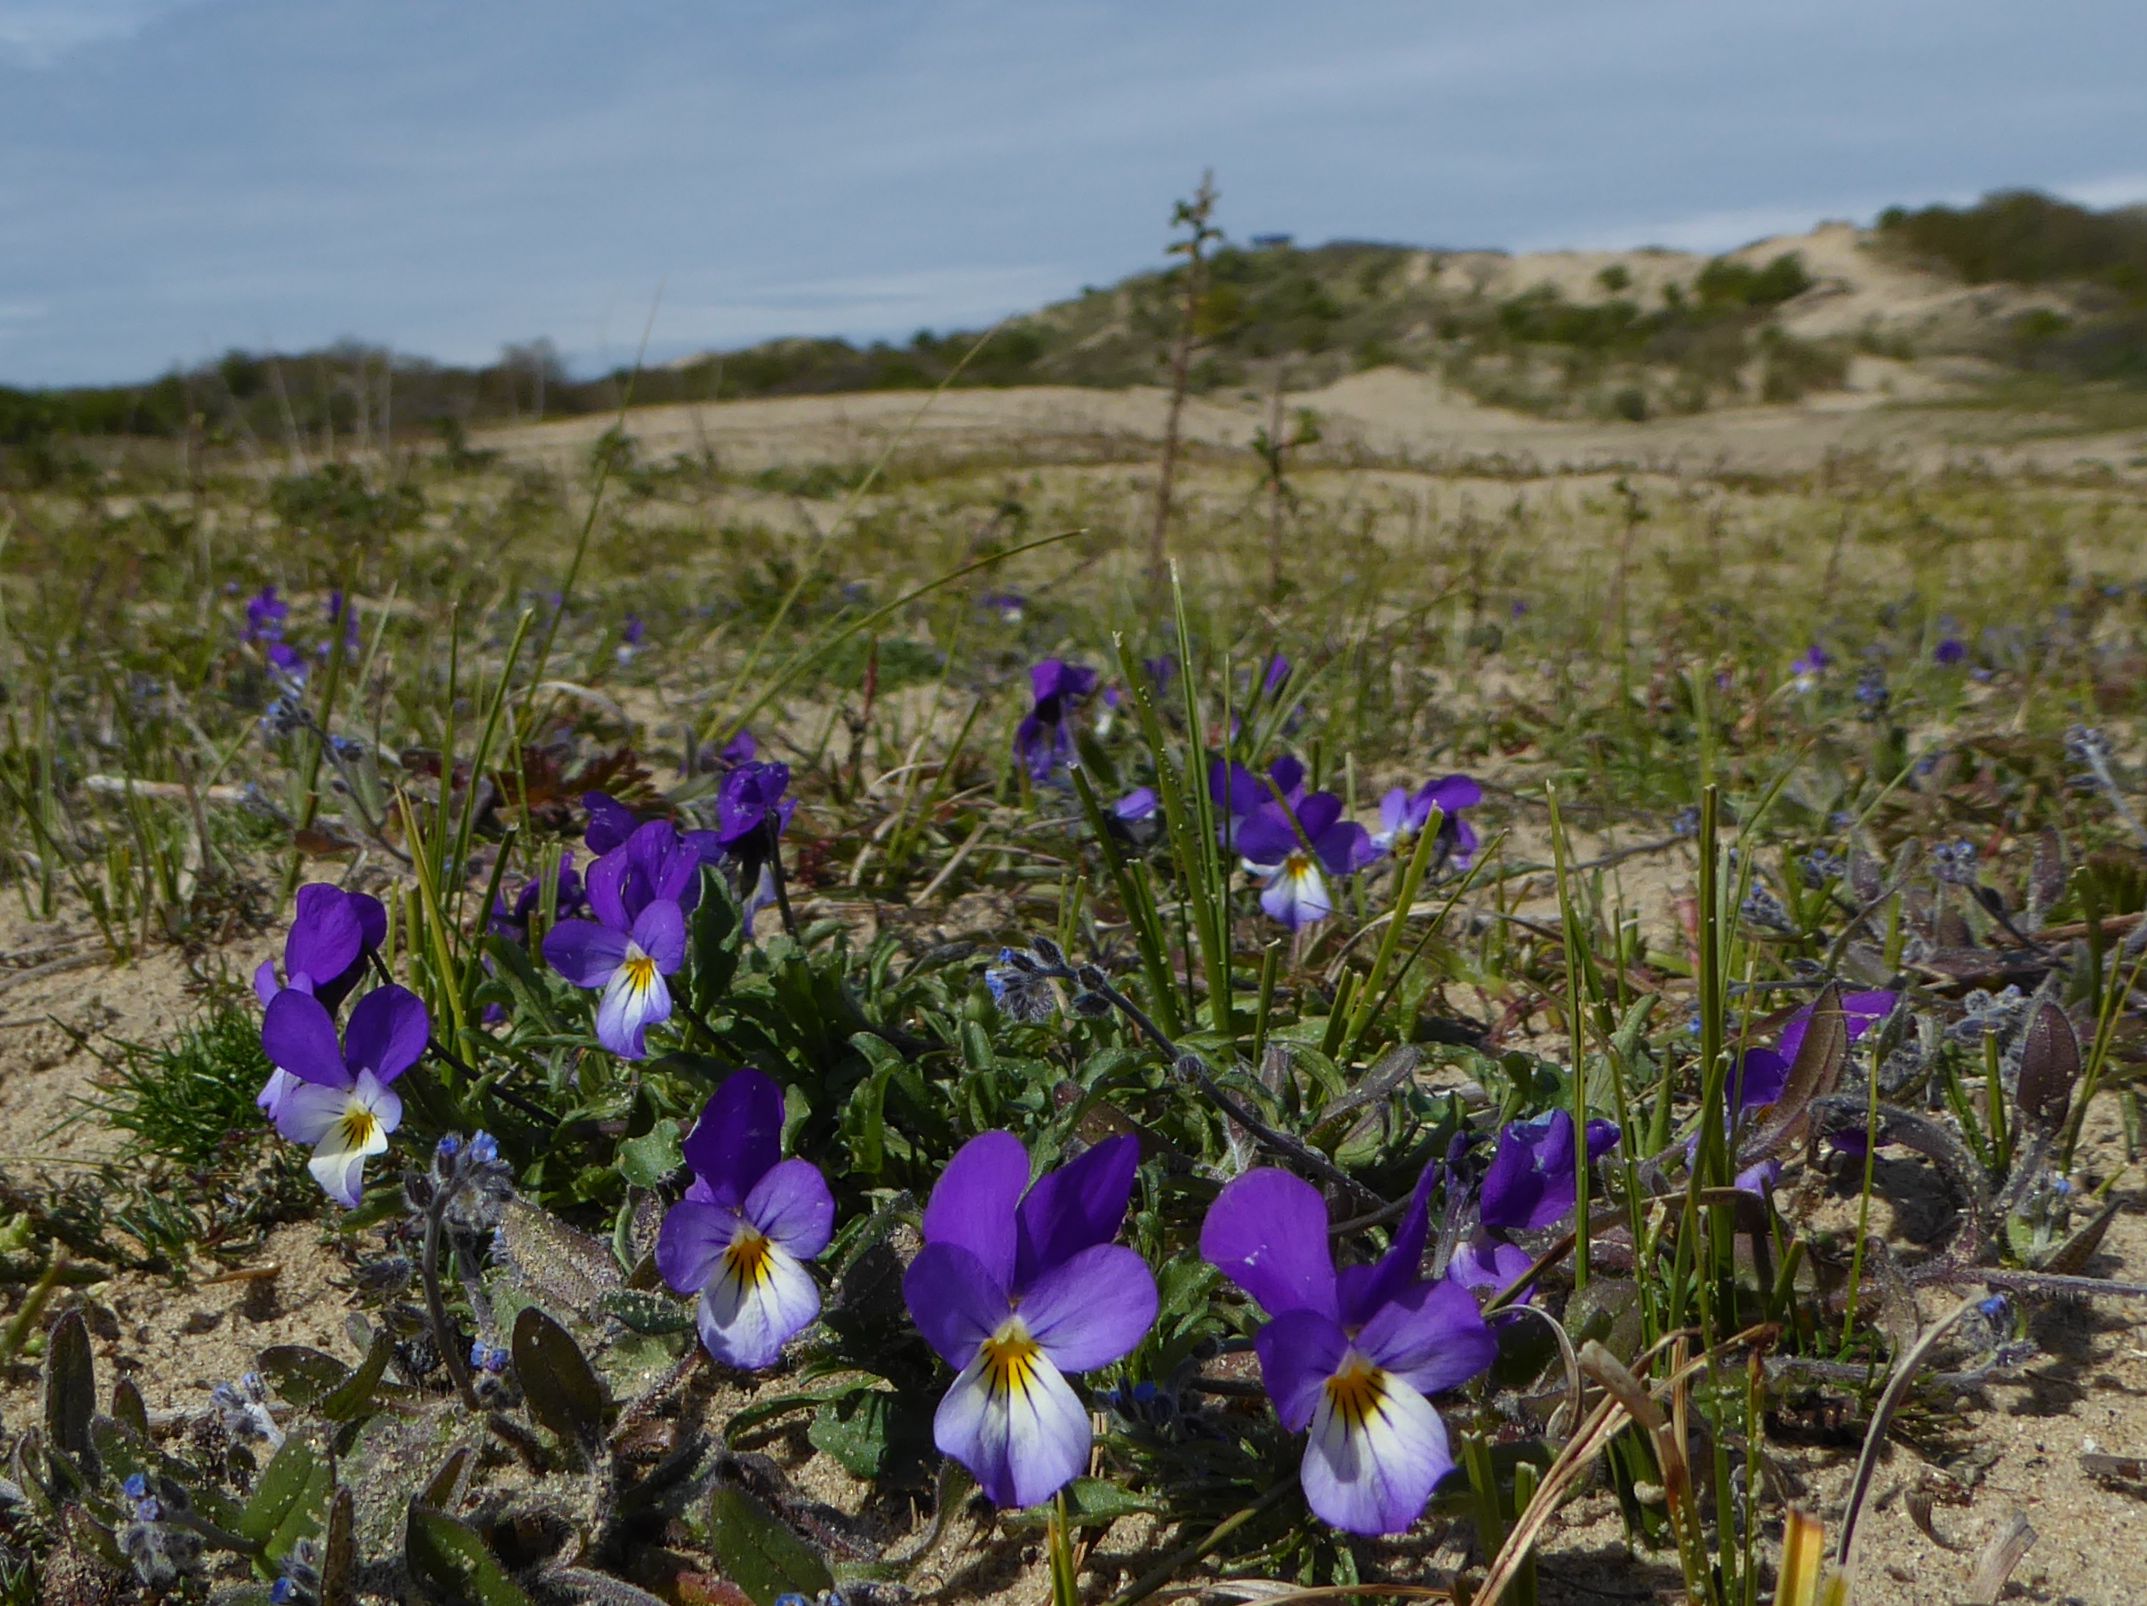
x=179, y=177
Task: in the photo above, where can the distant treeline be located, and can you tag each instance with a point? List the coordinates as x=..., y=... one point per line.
x=1316, y=312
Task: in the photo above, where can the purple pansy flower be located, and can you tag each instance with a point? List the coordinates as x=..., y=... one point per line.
x=1808, y=664
x=1295, y=891
x=1008, y=605
x=742, y=1234
x=1950, y=651
x=1276, y=676
x=1403, y=814
x=1530, y=1184
x=1018, y=1285
x=285, y=659
x=637, y=938
x=340, y=1099
x=1044, y=739
x=1352, y=1354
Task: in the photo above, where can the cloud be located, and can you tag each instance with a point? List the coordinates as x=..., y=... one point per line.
x=40, y=34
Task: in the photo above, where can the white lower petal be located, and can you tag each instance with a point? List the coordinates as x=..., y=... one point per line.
x=1371, y=1471
x=635, y=999
x=1022, y=1431
x=307, y=1111
x=338, y=1163
x=759, y=1299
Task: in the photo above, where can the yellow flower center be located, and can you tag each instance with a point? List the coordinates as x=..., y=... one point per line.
x=356, y=1126
x=640, y=971
x=1010, y=1361
x=1297, y=866
x=745, y=1262
x=1357, y=1392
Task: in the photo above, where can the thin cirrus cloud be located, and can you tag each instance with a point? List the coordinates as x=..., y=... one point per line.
x=196, y=174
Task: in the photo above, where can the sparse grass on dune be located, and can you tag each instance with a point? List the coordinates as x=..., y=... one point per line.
x=404, y=677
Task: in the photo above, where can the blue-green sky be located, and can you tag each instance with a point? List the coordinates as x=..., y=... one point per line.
x=182, y=176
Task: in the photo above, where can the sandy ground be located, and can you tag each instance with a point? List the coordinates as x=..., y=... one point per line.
x=1385, y=416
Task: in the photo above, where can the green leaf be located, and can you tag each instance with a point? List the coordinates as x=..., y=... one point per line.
x=758, y=1553
x=645, y=1161
x=288, y=1503
x=70, y=1388
x=717, y=933
x=339, y=1552
x=448, y=1560
x=563, y=1391
x=302, y=1374
x=856, y=1431
x=353, y=1397
x=1090, y=1503
x=644, y=1312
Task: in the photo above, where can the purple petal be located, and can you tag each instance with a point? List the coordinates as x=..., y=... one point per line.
x=1318, y=814
x=791, y=1205
x=606, y=886
x=739, y=1137
x=660, y=932
x=326, y=937
x=610, y=822
x=1432, y=1336
x=372, y=920
x=1234, y=789
x=587, y=954
x=298, y=1036
x=387, y=1033
x=1073, y=1207
x=265, y=985
x=1344, y=847
x=954, y=1300
x=1299, y=1350
x=1091, y=1309
x=1265, y=836
x=1450, y=795
x=691, y=1241
x=1758, y=1079
x=1267, y=1232
x=972, y=1204
x=1373, y=1474
x=1023, y=1441
x=1489, y=1265
x=1361, y=1290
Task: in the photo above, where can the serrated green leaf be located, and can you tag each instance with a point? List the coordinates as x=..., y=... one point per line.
x=758, y=1553
x=856, y=1431
x=647, y=1160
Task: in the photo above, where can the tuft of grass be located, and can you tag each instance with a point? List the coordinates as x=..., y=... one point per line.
x=183, y=1100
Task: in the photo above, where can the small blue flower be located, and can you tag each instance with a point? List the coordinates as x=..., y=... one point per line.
x=136, y=1486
